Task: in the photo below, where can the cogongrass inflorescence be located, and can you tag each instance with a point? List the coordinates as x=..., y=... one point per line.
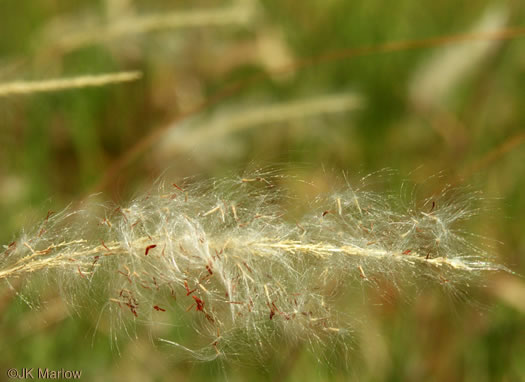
x=226, y=257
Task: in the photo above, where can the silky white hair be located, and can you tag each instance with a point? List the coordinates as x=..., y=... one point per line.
x=226, y=258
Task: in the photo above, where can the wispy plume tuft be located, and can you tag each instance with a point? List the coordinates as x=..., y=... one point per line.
x=227, y=259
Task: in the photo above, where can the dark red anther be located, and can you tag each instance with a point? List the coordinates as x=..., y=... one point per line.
x=49, y=213
x=200, y=303
x=188, y=288
x=132, y=308
x=149, y=248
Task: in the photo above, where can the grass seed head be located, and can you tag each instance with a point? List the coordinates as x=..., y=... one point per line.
x=224, y=258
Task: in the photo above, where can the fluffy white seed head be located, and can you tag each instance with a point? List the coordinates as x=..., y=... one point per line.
x=225, y=258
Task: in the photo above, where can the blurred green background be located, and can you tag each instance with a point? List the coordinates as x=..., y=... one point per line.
x=456, y=110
